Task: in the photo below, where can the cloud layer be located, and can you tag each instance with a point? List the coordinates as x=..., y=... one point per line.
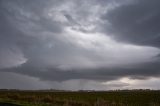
x=89, y=43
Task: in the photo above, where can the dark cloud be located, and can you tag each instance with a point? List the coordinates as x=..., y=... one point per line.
x=136, y=22
x=58, y=42
x=141, y=71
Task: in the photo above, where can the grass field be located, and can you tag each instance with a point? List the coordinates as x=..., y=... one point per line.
x=63, y=98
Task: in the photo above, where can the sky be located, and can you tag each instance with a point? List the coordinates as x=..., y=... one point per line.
x=80, y=44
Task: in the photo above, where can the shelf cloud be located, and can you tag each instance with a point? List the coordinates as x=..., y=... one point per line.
x=91, y=44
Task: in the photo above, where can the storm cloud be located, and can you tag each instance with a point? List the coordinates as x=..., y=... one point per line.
x=91, y=44
x=137, y=22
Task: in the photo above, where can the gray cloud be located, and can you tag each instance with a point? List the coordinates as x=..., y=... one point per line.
x=141, y=71
x=60, y=42
x=136, y=22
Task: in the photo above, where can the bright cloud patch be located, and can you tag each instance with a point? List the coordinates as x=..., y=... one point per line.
x=109, y=52
x=11, y=58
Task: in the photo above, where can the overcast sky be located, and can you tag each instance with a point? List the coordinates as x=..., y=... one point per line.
x=80, y=44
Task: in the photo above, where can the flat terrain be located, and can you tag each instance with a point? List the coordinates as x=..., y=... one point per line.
x=8, y=104
x=81, y=98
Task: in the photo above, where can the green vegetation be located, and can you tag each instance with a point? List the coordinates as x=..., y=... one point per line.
x=81, y=98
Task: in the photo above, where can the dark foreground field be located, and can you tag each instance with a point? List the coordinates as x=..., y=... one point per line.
x=8, y=104
x=53, y=98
